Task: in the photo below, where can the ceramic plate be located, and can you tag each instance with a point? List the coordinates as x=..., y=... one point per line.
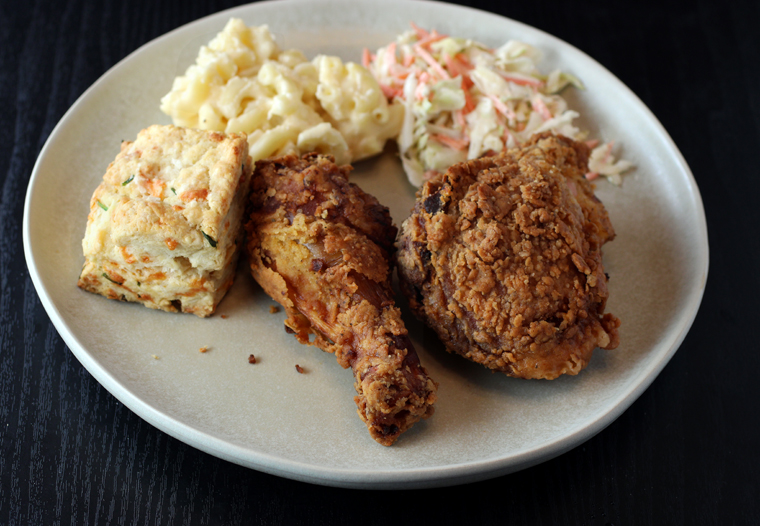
x=304, y=426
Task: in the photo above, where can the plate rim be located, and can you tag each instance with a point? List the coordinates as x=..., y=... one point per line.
x=395, y=478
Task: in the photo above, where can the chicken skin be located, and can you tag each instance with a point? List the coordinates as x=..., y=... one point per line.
x=322, y=248
x=501, y=256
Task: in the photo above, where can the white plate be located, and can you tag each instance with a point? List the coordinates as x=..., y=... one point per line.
x=304, y=426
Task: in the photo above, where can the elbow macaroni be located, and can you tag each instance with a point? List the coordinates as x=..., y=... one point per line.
x=242, y=82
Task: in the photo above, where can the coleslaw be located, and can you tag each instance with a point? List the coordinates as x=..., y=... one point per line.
x=463, y=100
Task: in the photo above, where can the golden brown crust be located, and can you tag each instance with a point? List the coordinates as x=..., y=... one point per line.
x=502, y=258
x=164, y=222
x=320, y=247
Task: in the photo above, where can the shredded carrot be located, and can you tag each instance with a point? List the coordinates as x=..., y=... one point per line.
x=421, y=33
x=541, y=108
x=390, y=91
x=457, y=68
x=464, y=59
x=451, y=142
x=522, y=81
x=390, y=54
x=395, y=69
x=434, y=36
x=427, y=57
x=469, y=102
x=459, y=116
x=366, y=58
x=422, y=82
x=501, y=107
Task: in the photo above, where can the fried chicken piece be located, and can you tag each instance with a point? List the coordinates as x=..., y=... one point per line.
x=501, y=256
x=322, y=248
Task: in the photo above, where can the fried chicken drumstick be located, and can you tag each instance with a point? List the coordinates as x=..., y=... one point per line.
x=321, y=247
x=502, y=258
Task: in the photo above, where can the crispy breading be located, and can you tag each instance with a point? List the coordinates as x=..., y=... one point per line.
x=321, y=247
x=501, y=256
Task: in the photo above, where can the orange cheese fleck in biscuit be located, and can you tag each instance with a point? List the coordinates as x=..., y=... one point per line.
x=113, y=277
x=128, y=258
x=156, y=276
x=156, y=187
x=192, y=195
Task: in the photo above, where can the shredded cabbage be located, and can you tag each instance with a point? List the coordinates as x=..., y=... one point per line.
x=463, y=100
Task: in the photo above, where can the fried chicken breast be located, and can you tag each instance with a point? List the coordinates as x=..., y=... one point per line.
x=501, y=256
x=322, y=248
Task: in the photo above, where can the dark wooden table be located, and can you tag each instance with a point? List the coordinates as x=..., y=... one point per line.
x=686, y=452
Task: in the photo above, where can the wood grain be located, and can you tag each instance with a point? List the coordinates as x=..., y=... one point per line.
x=684, y=453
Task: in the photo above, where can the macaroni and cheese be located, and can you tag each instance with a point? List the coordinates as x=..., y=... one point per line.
x=242, y=82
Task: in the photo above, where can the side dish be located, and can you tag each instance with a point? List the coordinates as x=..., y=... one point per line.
x=502, y=258
x=164, y=222
x=243, y=82
x=464, y=100
x=321, y=247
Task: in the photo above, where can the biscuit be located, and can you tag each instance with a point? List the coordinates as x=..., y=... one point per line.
x=164, y=223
